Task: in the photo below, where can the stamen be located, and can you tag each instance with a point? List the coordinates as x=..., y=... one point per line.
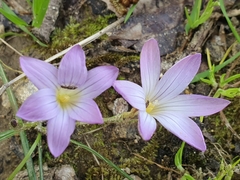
x=66, y=97
x=68, y=87
x=150, y=107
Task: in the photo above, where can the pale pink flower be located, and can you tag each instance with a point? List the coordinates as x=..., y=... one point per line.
x=161, y=99
x=65, y=95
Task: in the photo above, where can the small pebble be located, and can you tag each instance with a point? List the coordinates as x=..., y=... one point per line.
x=65, y=172
x=119, y=106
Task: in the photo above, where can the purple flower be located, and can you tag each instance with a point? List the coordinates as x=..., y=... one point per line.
x=65, y=95
x=160, y=99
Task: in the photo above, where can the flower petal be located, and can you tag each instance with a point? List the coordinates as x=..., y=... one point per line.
x=72, y=70
x=132, y=93
x=59, y=130
x=40, y=106
x=184, y=128
x=86, y=110
x=42, y=74
x=194, y=105
x=146, y=125
x=176, y=79
x=150, y=66
x=98, y=80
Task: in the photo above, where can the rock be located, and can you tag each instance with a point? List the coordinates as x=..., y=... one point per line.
x=152, y=19
x=48, y=173
x=216, y=48
x=119, y=106
x=65, y=172
x=48, y=25
x=22, y=90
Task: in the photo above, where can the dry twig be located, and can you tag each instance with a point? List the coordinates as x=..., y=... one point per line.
x=82, y=43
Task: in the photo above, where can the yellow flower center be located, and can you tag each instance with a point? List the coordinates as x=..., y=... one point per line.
x=63, y=98
x=150, y=107
x=66, y=97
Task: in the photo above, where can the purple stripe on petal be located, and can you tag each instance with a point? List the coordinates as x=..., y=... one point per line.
x=150, y=66
x=98, y=80
x=86, y=110
x=193, y=105
x=41, y=105
x=59, y=130
x=132, y=93
x=42, y=74
x=184, y=128
x=177, y=78
x=72, y=70
x=146, y=125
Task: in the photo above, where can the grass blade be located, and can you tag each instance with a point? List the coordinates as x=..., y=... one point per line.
x=129, y=13
x=217, y=68
x=229, y=21
x=25, y=159
x=34, y=38
x=7, y=134
x=39, y=8
x=41, y=177
x=101, y=157
x=24, y=141
x=9, y=14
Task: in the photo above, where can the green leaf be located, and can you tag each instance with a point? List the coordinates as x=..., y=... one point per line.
x=39, y=8
x=235, y=33
x=40, y=160
x=10, y=15
x=129, y=13
x=187, y=176
x=230, y=79
x=196, y=10
x=34, y=38
x=25, y=159
x=178, y=157
x=217, y=68
x=206, y=14
x=9, y=34
x=23, y=137
x=29, y=2
x=221, y=80
x=207, y=81
x=194, y=20
x=189, y=21
x=7, y=134
x=231, y=92
x=193, y=16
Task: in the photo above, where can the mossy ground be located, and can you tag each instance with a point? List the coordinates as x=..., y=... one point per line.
x=127, y=152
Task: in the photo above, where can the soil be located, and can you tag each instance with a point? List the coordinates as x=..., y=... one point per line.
x=119, y=141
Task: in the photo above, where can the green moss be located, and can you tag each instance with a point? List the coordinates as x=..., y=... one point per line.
x=118, y=59
x=103, y=107
x=220, y=130
x=71, y=34
x=75, y=31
